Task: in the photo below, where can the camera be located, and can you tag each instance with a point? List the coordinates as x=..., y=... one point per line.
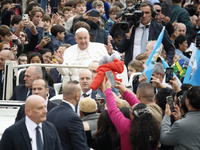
x=130, y=16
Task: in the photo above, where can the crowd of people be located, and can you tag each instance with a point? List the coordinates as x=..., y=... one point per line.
x=105, y=35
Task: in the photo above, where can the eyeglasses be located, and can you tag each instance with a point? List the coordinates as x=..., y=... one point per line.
x=158, y=10
x=114, y=14
x=22, y=35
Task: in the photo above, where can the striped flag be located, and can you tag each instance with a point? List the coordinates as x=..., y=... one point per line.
x=153, y=57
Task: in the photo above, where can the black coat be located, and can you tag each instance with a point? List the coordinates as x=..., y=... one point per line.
x=16, y=137
x=69, y=127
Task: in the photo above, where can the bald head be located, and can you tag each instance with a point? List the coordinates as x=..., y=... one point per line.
x=145, y=92
x=31, y=74
x=72, y=92
x=35, y=108
x=5, y=55
x=93, y=67
x=181, y=29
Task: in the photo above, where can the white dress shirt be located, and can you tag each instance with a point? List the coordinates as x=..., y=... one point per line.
x=31, y=127
x=137, y=39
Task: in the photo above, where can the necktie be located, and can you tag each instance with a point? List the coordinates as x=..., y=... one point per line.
x=144, y=39
x=38, y=139
x=29, y=92
x=86, y=95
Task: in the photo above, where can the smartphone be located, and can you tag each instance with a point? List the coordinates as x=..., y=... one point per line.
x=100, y=104
x=169, y=74
x=46, y=34
x=55, y=10
x=170, y=102
x=111, y=78
x=14, y=42
x=198, y=40
x=53, y=58
x=25, y=17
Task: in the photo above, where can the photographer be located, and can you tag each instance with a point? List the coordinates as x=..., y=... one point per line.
x=133, y=41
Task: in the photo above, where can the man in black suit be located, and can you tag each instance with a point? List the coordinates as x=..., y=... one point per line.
x=4, y=55
x=21, y=92
x=131, y=43
x=39, y=87
x=68, y=124
x=32, y=132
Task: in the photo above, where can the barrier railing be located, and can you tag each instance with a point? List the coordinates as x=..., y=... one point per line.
x=11, y=74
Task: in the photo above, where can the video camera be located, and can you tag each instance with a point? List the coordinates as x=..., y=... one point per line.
x=130, y=16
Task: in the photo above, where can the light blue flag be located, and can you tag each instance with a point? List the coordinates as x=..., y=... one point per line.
x=191, y=66
x=153, y=57
x=194, y=65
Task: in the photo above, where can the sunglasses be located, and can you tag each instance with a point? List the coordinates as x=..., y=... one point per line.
x=158, y=10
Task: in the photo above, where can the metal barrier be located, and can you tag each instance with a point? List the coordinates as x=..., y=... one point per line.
x=11, y=72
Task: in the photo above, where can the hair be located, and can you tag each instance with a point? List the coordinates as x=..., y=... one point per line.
x=176, y=1
x=114, y=9
x=61, y=13
x=34, y=55
x=193, y=94
x=119, y=4
x=16, y=19
x=70, y=3
x=146, y=91
x=22, y=55
x=97, y=3
x=59, y=5
x=35, y=10
x=126, y=112
x=4, y=2
x=26, y=37
x=38, y=71
x=31, y=6
x=159, y=68
x=76, y=2
x=141, y=57
x=70, y=88
x=57, y=29
x=145, y=130
x=147, y=3
x=79, y=24
x=130, y=1
x=45, y=81
x=179, y=40
x=67, y=8
x=65, y=45
x=157, y=4
x=185, y=87
x=44, y=50
x=182, y=101
x=137, y=65
x=105, y=125
x=5, y=30
x=1, y=44
x=160, y=97
x=46, y=17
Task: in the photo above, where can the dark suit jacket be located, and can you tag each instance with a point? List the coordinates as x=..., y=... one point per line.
x=20, y=93
x=1, y=86
x=69, y=127
x=126, y=45
x=16, y=137
x=21, y=111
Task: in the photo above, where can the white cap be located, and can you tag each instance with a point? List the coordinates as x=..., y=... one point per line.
x=81, y=29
